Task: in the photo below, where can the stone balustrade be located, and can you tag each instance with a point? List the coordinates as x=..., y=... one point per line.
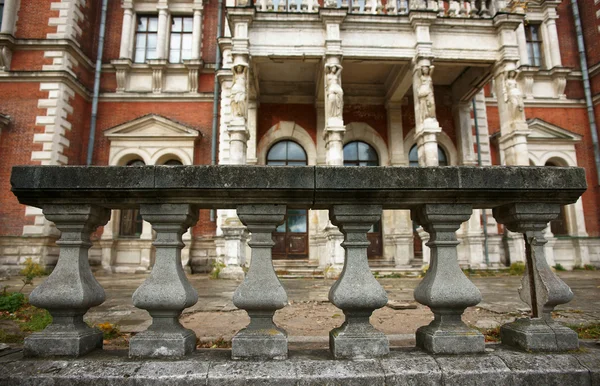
x=444, y=8
x=79, y=199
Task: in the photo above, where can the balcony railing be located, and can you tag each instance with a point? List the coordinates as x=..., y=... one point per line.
x=444, y=8
x=79, y=199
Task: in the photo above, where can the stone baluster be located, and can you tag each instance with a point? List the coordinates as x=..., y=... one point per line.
x=71, y=290
x=355, y=6
x=441, y=8
x=540, y=288
x=473, y=12
x=445, y=288
x=483, y=9
x=391, y=7
x=356, y=292
x=166, y=292
x=261, y=292
x=369, y=7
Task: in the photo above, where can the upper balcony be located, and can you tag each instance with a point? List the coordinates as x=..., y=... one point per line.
x=378, y=41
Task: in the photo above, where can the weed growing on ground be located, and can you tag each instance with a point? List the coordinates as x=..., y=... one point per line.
x=32, y=319
x=109, y=330
x=30, y=272
x=217, y=267
x=490, y=334
x=589, y=267
x=517, y=269
x=11, y=301
x=219, y=343
x=586, y=331
x=559, y=267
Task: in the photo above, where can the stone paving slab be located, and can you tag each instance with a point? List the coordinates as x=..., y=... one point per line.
x=407, y=366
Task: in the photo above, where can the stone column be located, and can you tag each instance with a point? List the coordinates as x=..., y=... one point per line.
x=261, y=293
x=197, y=32
x=356, y=292
x=466, y=145
x=71, y=290
x=235, y=235
x=553, y=47
x=445, y=288
x=163, y=29
x=522, y=41
x=513, y=127
x=334, y=107
x=9, y=17
x=124, y=52
x=166, y=292
x=251, y=157
x=540, y=288
x=427, y=127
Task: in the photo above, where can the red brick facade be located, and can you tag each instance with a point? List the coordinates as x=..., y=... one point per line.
x=20, y=96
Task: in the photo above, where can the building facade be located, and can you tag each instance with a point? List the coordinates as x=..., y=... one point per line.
x=299, y=82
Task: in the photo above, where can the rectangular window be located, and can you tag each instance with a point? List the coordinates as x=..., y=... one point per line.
x=146, y=38
x=534, y=44
x=180, y=48
x=1, y=11
x=131, y=223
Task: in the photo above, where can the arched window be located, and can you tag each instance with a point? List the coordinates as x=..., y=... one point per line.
x=291, y=237
x=558, y=226
x=173, y=162
x=286, y=153
x=359, y=153
x=131, y=220
x=413, y=156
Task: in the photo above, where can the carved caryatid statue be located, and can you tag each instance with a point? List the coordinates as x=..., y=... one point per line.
x=513, y=96
x=238, y=91
x=425, y=93
x=335, y=93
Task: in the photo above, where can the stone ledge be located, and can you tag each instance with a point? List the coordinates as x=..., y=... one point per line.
x=226, y=186
x=497, y=366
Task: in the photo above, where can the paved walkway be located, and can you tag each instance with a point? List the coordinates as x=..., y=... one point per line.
x=310, y=313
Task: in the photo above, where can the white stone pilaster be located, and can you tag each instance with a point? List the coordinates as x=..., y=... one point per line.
x=9, y=16
x=161, y=44
x=197, y=31
x=126, y=34
x=464, y=123
x=522, y=41
x=395, y=134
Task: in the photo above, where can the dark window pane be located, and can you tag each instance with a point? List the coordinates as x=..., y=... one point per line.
x=297, y=223
x=142, y=24
x=442, y=159
x=278, y=151
x=173, y=162
x=413, y=156
x=281, y=228
x=351, y=152
x=295, y=152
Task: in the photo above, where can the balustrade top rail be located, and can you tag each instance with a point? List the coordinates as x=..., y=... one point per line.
x=226, y=186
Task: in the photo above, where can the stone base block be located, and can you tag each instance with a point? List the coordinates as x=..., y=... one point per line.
x=260, y=344
x=232, y=273
x=539, y=335
x=461, y=340
x=62, y=343
x=154, y=344
x=350, y=345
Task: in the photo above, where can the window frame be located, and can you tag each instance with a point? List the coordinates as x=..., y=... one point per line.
x=530, y=43
x=358, y=160
x=182, y=33
x=147, y=32
x=1, y=11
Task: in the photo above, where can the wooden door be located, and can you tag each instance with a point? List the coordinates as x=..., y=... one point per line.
x=291, y=237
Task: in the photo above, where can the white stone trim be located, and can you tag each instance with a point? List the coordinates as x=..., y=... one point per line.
x=287, y=130
x=360, y=131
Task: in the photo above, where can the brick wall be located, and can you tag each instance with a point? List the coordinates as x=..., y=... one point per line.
x=33, y=19
x=19, y=100
x=373, y=115
x=270, y=114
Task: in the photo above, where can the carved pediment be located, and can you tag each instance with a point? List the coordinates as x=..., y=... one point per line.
x=151, y=127
x=544, y=131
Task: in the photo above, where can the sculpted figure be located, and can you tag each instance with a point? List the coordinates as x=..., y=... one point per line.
x=513, y=96
x=238, y=91
x=335, y=94
x=425, y=93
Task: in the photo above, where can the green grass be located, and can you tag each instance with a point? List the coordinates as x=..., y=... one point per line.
x=586, y=331
x=517, y=269
x=11, y=301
